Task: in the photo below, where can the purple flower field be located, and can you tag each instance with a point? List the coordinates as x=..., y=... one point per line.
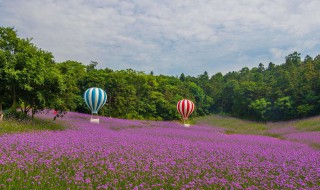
x=292, y=134
x=128, y=154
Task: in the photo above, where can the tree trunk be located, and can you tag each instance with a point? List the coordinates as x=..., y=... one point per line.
x=32, y=113
x=14, y=103
x=1, y=113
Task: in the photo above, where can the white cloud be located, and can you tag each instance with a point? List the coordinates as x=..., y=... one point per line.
x=168, y=36
x=278, y=53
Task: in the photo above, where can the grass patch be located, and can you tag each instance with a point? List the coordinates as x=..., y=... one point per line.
x=279, y=136
x=233, y=125
x=230, y=132
x=311, y=124
x=116, y=128
x=20, y=126
x=316, y=146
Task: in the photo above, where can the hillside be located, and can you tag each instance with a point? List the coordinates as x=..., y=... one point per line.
x=303, y=130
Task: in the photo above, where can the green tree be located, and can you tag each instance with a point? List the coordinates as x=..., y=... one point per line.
x=3, y=85
x=182, y=77
x=293, y=59
x=260, y=107
x=10, y=47
x=283, y=108
x=73, y=74
x=28, y=73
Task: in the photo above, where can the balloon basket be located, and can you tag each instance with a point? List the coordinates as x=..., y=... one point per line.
x=94, y=120
x=186, y=125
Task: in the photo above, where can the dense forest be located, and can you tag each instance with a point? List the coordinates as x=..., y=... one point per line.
x=32, y=81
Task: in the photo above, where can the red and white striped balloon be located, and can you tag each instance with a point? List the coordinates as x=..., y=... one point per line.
x=185, y=108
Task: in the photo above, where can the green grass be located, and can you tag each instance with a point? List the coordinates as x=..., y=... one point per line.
x=20, y=126
x=311, y=124
x=233, y=125
x=279, y=136
x=316, y=146
x=239, y=126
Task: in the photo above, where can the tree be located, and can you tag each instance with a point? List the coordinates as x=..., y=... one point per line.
x=260, y=107
x=261, y=67
x=40, y=83
x=9, y=45
x=304, y=109
x=201, y=100
x=73, y=73
x=271, y=66
x=182, y=77
x=228, y=98
x=283, y=108
x=28, y=73
x=92, y=66
x=293, y=59
x=3, y=84
x=30, y=79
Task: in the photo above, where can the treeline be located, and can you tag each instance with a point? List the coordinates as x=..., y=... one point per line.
x=276, y=92
x=133, y=94
x=31, y=80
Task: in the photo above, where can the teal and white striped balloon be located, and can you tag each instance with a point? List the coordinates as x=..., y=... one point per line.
x=95, y=98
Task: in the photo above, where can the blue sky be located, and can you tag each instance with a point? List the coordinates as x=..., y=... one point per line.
x=168, y=36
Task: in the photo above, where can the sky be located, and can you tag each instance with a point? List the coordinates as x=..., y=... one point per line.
x=168, y=37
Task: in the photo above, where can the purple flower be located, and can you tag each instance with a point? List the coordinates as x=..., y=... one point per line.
x=133, y=154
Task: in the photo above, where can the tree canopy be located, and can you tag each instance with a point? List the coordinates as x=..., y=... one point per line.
x=30, y=79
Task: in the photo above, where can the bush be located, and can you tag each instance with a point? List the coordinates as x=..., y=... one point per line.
x=14, y=114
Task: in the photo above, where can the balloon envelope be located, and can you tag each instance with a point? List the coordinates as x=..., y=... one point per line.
x=95, y=98
x=185, y=108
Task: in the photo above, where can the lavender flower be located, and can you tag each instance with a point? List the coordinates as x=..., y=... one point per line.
x=132, y=154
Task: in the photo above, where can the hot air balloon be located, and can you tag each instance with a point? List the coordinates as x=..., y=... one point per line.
x=185, y=108
x=95, y=98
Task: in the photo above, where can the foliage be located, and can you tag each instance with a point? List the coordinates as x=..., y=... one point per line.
x=279, y=92
x=29, y=76
x=31, y=80
x=14, y=114
x=260, y=107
